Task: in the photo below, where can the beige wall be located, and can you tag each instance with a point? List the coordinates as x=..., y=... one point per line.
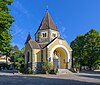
x=48, y=37
x=59, y=42
x=53, y=31
x=44, y=55
x=37, y=55
x=27, y=49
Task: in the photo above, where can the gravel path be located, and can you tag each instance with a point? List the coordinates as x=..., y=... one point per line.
x=59, y=79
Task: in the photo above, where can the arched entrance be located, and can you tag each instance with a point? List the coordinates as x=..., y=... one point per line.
x=60, y=57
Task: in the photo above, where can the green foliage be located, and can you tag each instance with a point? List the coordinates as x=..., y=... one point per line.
x=6, y=21
x=86, y=48
x=17, y=57
x=4, y=65
x=96, y=63
x=92, y=47
x=26, y=70
x=47, y=66
x=53, y=71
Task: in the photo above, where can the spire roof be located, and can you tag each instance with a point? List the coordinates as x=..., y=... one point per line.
x=47, y=22
x=28, y=38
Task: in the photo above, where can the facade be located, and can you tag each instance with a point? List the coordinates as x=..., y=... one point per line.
x=4, y=59
x=47, y=46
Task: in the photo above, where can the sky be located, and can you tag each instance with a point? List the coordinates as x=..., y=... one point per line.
x=72, y=17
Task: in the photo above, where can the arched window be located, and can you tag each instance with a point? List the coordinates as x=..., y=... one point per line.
x=43, y=34
x=28, y=56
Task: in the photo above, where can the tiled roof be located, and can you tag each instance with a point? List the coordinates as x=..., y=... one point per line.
x=28, y=38
x=42, y=45
x=47, y=23
x=34, y=44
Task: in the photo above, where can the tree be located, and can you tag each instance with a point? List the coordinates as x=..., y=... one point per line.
x=86, y=49
x=78, y=50
x=17, y=57
x=6, y=21
x=92, y=47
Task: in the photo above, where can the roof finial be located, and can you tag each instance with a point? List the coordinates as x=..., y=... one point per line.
x=47, y=8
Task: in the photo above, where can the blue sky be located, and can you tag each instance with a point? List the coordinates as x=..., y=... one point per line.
x=73, y=17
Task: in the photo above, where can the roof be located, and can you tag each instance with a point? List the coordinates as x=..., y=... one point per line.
x=42, y=45
x=47, y=23
x=36, y=45
x=28, y=38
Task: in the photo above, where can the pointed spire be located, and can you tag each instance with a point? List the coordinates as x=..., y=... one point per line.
x=28, y=38
x=47, y=22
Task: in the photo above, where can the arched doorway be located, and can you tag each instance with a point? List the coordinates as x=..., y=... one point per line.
x=60, y=57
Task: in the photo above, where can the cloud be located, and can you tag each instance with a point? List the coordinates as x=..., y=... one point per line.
x=19, y=36
x=16, y=30
x=63, y=32
x=19, y=7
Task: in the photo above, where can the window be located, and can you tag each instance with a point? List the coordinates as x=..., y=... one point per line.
x=28, y=54
x=53, y=34
x=43, y=34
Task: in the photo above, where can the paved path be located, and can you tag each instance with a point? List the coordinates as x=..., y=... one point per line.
x=60, y=79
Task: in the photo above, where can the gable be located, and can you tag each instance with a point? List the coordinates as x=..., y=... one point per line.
x=59, y=42
x=27, y=48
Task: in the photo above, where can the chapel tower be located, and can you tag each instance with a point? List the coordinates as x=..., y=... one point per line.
x=47, y=30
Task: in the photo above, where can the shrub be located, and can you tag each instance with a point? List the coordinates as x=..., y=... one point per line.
x=26, y=70
x=53, y=71
x=30, y=71
x=47, y=66
x=4, y=65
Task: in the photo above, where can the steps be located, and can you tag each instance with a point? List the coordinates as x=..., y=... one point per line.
x=64, y=71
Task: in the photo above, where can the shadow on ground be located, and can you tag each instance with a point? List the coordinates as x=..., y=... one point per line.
x=90, y=76
x=35, y=80
x=95, y=75
x=90, y=72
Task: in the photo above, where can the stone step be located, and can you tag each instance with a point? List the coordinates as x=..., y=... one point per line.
x=64, y=71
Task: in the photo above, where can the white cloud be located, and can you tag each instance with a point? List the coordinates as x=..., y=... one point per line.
x=17, y=5
x=63, y=32
x=16, y=30
x=18, y=36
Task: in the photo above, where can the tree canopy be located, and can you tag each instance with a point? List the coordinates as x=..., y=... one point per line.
x=6, y=21
x=86, y=49
x=17, y=57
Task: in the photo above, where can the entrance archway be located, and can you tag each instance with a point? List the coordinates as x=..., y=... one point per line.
x=60, y=56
